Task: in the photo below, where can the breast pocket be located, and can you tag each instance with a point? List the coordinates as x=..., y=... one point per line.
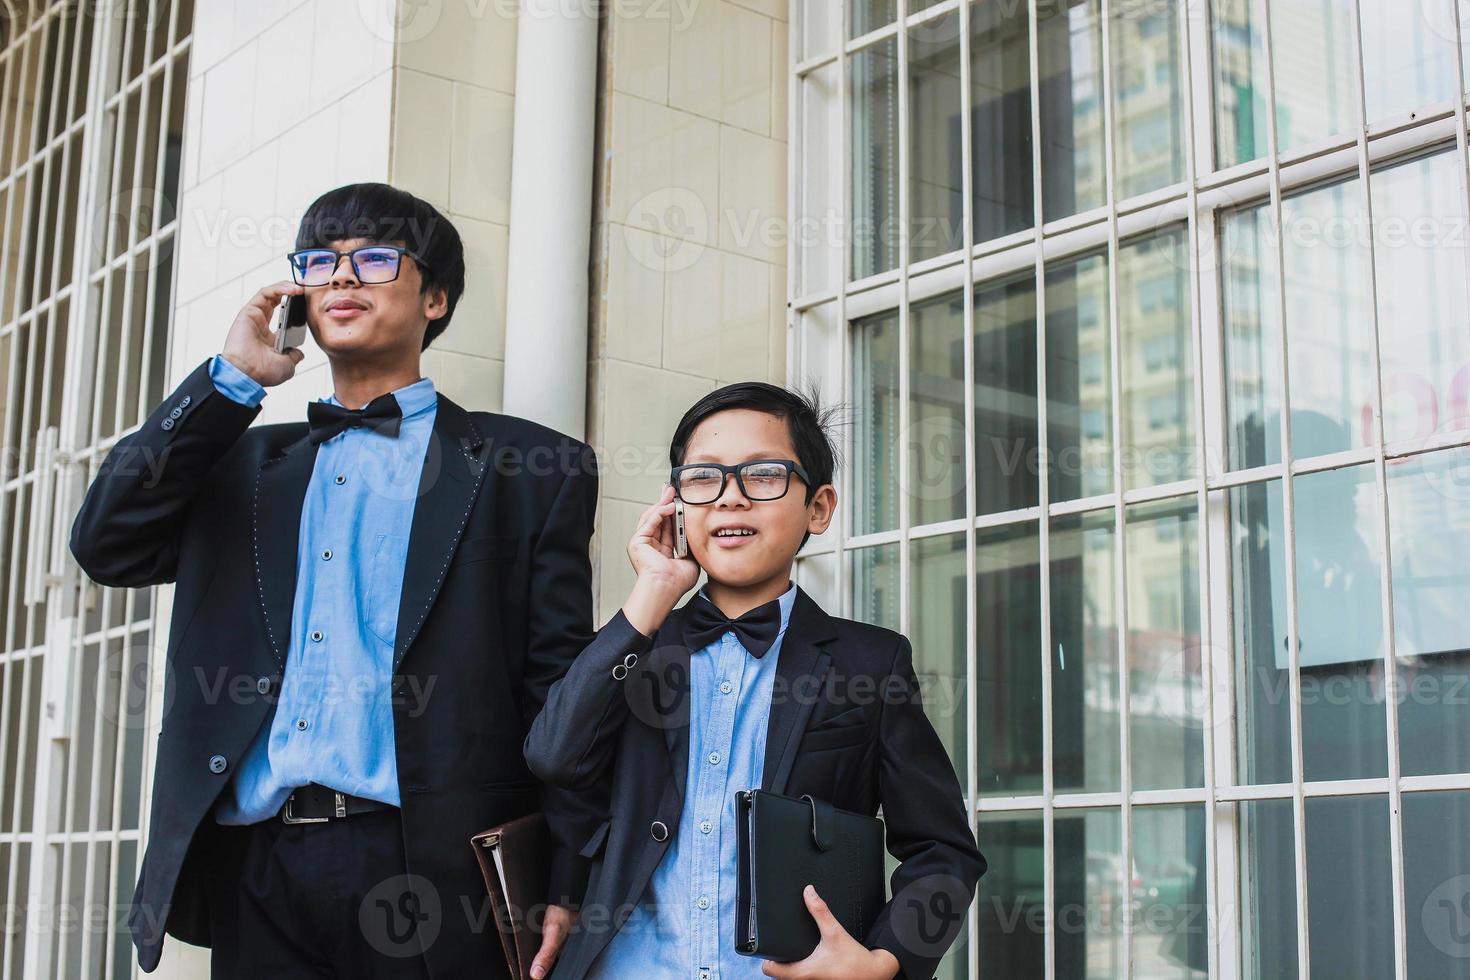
x=485, y=547
x=848, y=728
x=385, y=586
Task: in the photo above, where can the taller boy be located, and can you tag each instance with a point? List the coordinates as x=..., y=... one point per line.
x=371, y=605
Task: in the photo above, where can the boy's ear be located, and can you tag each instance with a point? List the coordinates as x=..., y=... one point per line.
x=821, y=508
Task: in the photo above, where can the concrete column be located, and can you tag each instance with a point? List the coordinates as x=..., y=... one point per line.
x=551, y=213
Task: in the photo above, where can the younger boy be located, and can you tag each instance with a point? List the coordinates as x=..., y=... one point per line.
x=748, y=684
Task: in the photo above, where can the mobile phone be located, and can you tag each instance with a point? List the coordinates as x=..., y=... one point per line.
x=290, y=322
x=681, y=541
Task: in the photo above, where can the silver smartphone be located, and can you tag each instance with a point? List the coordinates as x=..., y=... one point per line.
x=681, y=541
x=290, y=322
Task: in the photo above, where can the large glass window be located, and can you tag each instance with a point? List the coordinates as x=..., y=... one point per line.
x=1169, y=492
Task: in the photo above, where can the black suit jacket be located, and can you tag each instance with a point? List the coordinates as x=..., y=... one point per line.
x=496, y=602
x=847, y=725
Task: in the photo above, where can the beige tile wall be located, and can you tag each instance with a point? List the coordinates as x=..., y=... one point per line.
x=689, y=263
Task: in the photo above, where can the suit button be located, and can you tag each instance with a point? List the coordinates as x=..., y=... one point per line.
x=167, y=423
x=217, y=763
x=184, y=402
x=263, y=685
x=659, y=830
x=177, y=411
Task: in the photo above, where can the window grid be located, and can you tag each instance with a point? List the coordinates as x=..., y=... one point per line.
x=83, y=357
x=1193, y=203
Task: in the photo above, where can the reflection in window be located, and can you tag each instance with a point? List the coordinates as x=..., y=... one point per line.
x=1349, y=887
x=1069, y=40
x=875, y=423
x=1429, y=525
x=1316, y=87
x=1008, y=659
x=1078, y=379
x=1169, y=919
x=1258, y=602
x=1148, y=93
x=1252, y=327
x=1006, y=427
x=936, y=434
x=1239, y=60
x=1009, y=904
x=818, y=241
x=875, y=585
x=1158, y=404
x=937, y=634
x=1090, y=897
x=1000, y=135
x=1268, y=893
x=1329, y=325
x=1166, y=697
x=1436, y=865
x=936, y=185
x=1339, y=617
x=869, y=15
x=1419, y=259
x=1084, y=655
x=874, y=212
x=1408, y=57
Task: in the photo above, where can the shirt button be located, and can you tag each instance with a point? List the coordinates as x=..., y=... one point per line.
x=703, y=901
x=316, y=635
x=341, y=479
x=326, y=554
x=714, y=758
x=725, y=687
x=217, y=763
x=301, y=724
x=705, y=826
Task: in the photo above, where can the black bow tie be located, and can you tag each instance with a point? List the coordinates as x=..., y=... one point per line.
x=756, y=630
x=381, y=414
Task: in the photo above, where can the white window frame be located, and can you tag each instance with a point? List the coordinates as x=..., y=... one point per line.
x=819, y=350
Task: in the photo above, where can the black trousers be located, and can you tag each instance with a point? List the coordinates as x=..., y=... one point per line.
x=315, y=900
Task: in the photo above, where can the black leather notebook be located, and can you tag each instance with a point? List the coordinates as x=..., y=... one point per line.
x=785, y=844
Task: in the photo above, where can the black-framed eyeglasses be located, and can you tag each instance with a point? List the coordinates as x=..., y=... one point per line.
x=758, y=479
x=370, y=263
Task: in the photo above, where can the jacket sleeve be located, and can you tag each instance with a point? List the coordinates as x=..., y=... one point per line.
x=559, y=617
x=573, y=740
x=128, y=529
x=927, y=828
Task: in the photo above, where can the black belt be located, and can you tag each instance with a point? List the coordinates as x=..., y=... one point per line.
x=315, y=803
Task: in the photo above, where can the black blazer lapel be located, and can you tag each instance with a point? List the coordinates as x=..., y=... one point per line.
x=801, y=673
x=280, y=490
x=455, y=462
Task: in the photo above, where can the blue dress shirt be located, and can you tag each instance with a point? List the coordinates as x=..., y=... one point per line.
x=334, y=719
x=684, y=923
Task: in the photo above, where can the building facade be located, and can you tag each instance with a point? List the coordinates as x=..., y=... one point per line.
x=1147, y=317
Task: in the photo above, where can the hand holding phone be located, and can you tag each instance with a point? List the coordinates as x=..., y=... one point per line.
x=253, y=348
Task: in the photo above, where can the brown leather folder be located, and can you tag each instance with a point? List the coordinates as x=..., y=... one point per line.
x=515, y=858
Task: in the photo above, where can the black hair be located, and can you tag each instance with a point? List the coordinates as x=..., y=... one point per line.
x=809, y=424
x=383, y=213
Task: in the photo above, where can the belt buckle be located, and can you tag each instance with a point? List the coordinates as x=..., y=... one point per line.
x=288, y=817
